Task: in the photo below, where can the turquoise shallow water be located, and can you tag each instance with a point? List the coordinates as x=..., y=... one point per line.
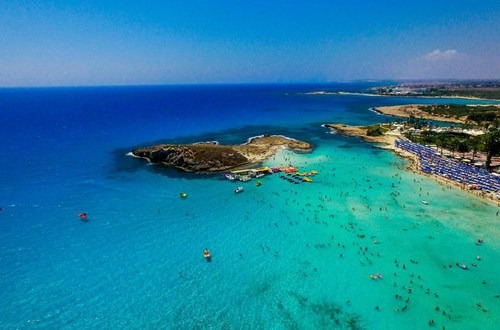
x=284, y=255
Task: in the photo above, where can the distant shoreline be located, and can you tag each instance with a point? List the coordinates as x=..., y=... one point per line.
x=402, y=95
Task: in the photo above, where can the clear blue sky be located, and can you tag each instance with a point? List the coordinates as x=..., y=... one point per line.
x=72, y=42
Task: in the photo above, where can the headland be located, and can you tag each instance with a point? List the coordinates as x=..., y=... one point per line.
x=386, y=140
x=210, y=157
x=417, y=111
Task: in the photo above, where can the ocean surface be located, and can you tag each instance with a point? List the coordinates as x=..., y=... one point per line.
x=285, y=256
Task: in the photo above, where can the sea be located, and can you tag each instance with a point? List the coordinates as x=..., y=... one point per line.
x=354, y=249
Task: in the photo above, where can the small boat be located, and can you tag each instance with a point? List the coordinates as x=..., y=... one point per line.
x=229, y=177
x=258, y=183
x=245, y=178
x=206, y=255
x=464, y=267
x=183, y=195
x=260, y=175
x=425, y=202
x=306, y=179
x=238, y=189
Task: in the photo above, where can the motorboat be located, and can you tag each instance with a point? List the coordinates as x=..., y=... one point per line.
x=238, y=189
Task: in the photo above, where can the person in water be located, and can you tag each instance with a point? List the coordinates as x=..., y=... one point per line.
x=83, y=217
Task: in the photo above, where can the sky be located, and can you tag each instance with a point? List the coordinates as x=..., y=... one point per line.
x=74, y=43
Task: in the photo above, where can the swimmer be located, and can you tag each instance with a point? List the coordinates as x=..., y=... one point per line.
x=83, y=217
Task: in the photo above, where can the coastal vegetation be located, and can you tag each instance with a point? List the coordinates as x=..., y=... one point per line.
x=474, y=93
x=460, y=142
x=481, y=115
x=475, y=128
x=376, y=130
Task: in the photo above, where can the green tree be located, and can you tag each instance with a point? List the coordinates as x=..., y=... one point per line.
x=474, y=145
x=452, y=145
x=463, y=147
x=439, y=141
x=427, y=137
x=491, y=142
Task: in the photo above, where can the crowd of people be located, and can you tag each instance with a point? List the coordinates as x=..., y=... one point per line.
x=431, y=161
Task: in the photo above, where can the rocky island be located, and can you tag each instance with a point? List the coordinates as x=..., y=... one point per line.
x=210, y=157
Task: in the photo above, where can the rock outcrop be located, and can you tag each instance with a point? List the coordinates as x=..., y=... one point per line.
x=210, y=157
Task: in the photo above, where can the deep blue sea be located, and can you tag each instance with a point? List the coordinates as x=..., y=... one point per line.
x=284, y=256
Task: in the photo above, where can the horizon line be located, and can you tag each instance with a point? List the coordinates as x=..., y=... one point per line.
x=444, y=80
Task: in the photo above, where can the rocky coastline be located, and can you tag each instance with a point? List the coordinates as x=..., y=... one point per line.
x=210, y=157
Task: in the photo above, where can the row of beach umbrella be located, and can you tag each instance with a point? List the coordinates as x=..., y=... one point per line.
x=432, y=162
